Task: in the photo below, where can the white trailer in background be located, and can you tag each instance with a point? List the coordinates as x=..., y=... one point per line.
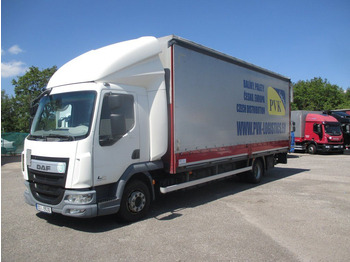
x=120, y=123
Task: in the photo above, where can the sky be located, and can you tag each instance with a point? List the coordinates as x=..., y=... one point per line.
x=300, y=39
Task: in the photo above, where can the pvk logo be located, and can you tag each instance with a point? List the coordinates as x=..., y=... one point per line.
x=276, y=101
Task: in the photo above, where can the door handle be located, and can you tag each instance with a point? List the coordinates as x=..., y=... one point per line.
x=136, y=154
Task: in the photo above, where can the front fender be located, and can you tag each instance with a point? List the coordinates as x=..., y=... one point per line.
x=139, y=168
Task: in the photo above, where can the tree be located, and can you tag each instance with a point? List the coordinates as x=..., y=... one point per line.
x=8, y=122
x=27, y=88
x=346, y=103
x=317, y=94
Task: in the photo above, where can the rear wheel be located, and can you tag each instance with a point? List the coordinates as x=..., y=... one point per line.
x=135, y=201
x=257, y=172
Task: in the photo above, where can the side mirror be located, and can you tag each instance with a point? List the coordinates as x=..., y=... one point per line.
x=118, y=126
x=33, y=109
x=32, y=112
x=318, y=129
x=347, y=128
x=114, y=102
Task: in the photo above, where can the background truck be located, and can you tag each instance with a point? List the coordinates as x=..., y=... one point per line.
x=344, y=119
x=317, y=132
x=118, y=125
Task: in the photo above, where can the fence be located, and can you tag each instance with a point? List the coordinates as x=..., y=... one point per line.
x=12, y=143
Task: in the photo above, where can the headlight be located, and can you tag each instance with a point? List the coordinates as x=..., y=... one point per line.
x=80, y=198
x=61, y=168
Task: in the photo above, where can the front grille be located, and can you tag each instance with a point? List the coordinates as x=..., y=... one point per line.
x=48, y=187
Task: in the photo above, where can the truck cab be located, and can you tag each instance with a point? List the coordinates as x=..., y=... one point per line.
x=322, y=133
x=344, y=119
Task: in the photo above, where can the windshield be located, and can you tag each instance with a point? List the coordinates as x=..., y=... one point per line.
x=332, y=129
x=342, y=114
x=64, y=116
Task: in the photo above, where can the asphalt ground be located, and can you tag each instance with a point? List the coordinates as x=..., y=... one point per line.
x=300, y=212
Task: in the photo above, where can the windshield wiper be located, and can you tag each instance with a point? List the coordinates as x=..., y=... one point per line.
x=68, y=137
x=35, y=137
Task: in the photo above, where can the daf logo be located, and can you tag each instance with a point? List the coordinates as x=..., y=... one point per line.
x=43, y=167
x=48, y=166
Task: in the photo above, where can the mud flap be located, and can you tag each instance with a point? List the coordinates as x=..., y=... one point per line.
x=281, y=158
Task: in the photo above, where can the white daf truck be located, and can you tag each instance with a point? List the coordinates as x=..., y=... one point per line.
x=118, y=124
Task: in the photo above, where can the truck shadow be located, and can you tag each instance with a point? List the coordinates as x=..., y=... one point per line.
x=168, y=207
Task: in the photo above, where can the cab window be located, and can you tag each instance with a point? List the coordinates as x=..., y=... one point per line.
x=117, y=118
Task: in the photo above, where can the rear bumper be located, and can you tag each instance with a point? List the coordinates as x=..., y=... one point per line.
x=65, y=208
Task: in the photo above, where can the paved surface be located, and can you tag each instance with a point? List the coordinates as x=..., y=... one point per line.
x=301, y=212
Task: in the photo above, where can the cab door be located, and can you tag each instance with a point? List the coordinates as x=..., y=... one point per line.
x=117, y=136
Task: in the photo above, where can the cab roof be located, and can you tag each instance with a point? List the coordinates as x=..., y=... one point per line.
x=320, y=118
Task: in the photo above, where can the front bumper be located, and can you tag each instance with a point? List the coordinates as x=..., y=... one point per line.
x=330, y=148
x=76, y=210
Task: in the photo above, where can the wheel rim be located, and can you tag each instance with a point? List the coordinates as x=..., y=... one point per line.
x=136, y=201
x=311, y=149
x=257, y=171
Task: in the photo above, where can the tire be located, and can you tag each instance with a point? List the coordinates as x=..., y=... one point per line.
x=135, y=201
x=311, y=149
x=255, y=175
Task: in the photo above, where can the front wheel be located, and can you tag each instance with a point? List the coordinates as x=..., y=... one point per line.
x=311, y=149
x=135, y=201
